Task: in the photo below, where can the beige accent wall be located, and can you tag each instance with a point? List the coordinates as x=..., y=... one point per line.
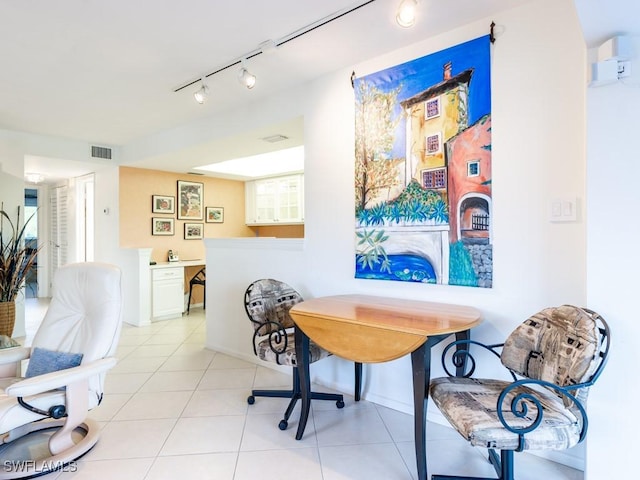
x=137, y=185
x=280, y=231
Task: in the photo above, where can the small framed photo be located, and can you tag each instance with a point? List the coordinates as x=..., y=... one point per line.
x=214, y=214
x=191, y=201
x=162, y=226
x=193, y=231
x=163, y=204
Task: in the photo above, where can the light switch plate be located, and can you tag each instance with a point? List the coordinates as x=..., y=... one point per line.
x=563, y=209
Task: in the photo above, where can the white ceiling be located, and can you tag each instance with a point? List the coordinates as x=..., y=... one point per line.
x=603, y=19
x=105, y=71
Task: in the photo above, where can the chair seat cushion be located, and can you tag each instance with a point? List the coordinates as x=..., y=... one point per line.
x=470, y=404
x=288, y=355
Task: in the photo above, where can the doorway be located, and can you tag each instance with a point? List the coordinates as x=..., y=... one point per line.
x=71, y=222
x=31, y=238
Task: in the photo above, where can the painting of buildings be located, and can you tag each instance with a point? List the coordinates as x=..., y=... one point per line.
x=423, y=170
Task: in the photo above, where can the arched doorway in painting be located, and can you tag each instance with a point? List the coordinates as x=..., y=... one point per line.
x=474, y=220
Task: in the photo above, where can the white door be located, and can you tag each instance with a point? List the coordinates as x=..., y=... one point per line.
x=85, y=217
x=58, y=238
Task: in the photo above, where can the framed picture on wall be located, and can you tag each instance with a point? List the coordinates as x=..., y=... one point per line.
x=193, y=231
x=191, y=200
x=162, y=226
x=214, y=214
x=163, y=204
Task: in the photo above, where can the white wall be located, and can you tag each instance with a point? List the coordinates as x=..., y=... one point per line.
x=11, y=197
x=538, y=154
x=234, y=263
x=14, y=146
x=613, y=264
x=136, y=295
x=107, y=217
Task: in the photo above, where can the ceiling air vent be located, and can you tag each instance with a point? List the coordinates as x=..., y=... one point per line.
x=275, y=138
x=100, y=152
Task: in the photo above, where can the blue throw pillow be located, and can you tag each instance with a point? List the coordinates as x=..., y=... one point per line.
x=44, y=361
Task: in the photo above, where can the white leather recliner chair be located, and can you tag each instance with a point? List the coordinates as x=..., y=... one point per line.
x=82, y=325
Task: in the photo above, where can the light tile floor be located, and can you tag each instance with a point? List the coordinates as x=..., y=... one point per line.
x=173, y=409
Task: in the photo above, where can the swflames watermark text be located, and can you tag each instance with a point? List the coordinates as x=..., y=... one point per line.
x=33, y=467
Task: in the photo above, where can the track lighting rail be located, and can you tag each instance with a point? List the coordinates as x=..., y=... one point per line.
x=292, y=36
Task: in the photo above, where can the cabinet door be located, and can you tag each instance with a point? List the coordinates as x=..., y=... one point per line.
x=289, y=199
x=265, y=201
x=274, y=200
x=167, y=292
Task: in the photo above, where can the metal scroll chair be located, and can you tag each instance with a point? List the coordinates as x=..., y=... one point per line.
x=553, y=359
x=43, y=414
x=199, y=278
x=267, y=303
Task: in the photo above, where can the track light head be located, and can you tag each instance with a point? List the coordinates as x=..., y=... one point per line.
x=245, y=77
x=406, y=14
x=201, y=94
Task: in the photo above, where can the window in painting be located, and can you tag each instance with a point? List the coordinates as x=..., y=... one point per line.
x=433, y=144
x=473, y=169
x=435, y=178
x=432, y=108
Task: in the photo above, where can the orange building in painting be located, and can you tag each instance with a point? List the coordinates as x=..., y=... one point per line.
x=445, y=154
x=468, y=160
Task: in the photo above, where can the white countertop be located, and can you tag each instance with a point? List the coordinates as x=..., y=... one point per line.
x=179, y=264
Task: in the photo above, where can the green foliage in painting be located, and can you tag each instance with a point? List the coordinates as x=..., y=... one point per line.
x=370, y=252
x=455, y=99
x=461, y=270
x=414, y=205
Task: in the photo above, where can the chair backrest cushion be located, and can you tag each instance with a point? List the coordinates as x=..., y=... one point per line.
x=558, y=345
x=269, y=300
x=85, y=313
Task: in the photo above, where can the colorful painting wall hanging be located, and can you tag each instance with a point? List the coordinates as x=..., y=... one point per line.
x=423, y=169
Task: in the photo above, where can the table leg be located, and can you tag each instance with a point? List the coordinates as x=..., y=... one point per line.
x=421, y=366
x=358, y=382
x=302, y=359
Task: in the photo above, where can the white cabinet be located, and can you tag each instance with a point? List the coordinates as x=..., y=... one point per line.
x=167, y=292
x=277, y=200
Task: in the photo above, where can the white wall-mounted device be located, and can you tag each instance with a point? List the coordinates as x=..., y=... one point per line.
x=613, y=61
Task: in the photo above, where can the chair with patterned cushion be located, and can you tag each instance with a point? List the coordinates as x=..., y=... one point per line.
x=267, y=303
x=553, y=358
x=43, y=413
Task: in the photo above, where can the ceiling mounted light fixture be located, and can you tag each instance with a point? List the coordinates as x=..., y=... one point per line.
x=406, y=14
x=202, y=93
x=245, y=77
x=270, y=46
x=34, y=177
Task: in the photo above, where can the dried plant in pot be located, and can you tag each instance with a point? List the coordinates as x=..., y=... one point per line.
x=17, y=258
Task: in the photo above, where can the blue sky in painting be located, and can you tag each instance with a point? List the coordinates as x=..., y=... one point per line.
x=422, y=73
